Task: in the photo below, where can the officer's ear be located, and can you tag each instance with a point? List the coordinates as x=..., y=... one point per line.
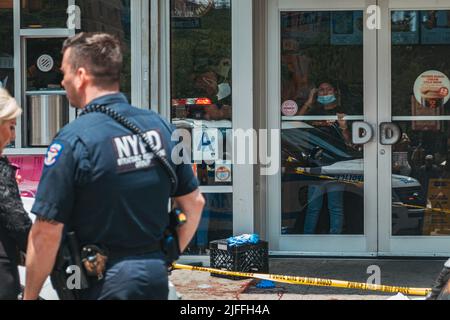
x=82, y=78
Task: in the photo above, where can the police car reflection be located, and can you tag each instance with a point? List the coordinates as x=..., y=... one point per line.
x=314, y=156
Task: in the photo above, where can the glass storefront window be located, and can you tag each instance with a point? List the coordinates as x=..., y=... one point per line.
x=43, y=64
x=7, y=47
x=421, y=180
x=216, y=223
x=111, y=17
x=420, y=106
x=201, y=80
x=321, y=83
x=44, y=13
x=420, y=43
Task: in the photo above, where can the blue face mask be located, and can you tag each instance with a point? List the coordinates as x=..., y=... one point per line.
x=326, y=99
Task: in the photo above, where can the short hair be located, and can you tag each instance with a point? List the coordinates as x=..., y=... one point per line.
x=100, y=53
x=9, y=109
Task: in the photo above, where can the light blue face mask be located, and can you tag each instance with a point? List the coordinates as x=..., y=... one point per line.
x=326, y=99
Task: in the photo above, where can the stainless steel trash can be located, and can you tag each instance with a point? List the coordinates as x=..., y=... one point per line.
x=46, y=115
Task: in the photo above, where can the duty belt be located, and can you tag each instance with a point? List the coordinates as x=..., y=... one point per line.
x=119, y=253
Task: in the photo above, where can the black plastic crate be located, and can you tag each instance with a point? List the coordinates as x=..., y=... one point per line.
x=251, y=258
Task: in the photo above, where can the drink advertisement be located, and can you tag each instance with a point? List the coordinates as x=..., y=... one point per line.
x=432, y=89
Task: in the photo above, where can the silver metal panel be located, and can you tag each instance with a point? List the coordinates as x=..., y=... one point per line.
x=47, y=114
x=242, y=66
x=18, y=72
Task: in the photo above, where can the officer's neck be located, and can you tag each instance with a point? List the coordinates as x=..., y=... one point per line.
x=93, y=93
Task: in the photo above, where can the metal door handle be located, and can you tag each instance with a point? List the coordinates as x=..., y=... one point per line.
x=390, y=133
x=362, y=132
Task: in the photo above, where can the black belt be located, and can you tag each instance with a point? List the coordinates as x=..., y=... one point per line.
x=119, y=253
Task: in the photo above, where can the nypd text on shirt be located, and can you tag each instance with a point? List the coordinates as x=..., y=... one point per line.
x=132, y=153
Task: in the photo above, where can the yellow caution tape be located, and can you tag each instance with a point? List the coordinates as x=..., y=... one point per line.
x=312, y=281
x=421, y=207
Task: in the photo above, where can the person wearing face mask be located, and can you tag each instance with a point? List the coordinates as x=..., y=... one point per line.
x=215, y=85
x=14, y=221
x=323, y=101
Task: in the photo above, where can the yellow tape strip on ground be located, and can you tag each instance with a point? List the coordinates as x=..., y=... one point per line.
x=312, y=281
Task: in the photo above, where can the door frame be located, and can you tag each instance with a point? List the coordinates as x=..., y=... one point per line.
x=322, y=245
x=388, y=244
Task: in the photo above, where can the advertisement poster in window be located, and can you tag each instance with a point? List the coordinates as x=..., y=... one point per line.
x=347, y=28
x=431, y=93
x=405, y=27
x=417, y=110
x=437, y=220
x=309, y=28
x=436, y=27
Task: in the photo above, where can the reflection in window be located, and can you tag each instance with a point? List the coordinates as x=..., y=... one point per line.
x=322, y=47
x=201, y=80
x=322, y=188
x=420, y=88
x=322, y=183
x=111, y=16
x=421, y=180
x=7, y=47
x=216, y=223
x=44, y=13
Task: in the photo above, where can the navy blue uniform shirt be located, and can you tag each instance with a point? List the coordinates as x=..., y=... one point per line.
x=101, y=182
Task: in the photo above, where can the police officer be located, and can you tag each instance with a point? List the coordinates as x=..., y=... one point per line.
x=102, y=182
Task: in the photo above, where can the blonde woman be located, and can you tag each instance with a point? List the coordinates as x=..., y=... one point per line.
x=14, y=221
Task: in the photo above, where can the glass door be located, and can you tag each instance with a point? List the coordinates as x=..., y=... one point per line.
x=322, y=99
x=414, y=95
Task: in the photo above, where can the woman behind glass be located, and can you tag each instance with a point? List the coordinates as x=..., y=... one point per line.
x=14, y=221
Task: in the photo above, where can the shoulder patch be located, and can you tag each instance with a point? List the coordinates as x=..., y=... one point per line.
x=53, y=153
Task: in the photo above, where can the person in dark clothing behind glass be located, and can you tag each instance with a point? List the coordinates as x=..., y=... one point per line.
x=427, y=172
x=14, y=221
x=324, y=101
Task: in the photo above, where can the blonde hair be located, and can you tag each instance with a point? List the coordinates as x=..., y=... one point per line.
x=9, y=109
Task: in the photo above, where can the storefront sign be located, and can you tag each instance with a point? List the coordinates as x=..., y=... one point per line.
x=432, y=89
x=289, y=108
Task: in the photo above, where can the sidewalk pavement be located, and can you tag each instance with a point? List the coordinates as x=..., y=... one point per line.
x=193, y=285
